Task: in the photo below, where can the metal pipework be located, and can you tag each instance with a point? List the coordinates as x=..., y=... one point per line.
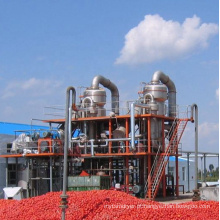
x=66, y=145
x=100, y=140
x=150, y=96
x=112, y=87
x=194, y=106
x=92, y=147
x=133, y=104
x=91, y=105
x=160, y=76
x=88, y=98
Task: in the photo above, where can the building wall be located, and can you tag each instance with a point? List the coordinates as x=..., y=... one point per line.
x=2, y=176
x=183, y=173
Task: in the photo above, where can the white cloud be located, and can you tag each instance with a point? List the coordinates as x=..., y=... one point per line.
x=22, y=100
x=208, y=135
x=31, y=87
x=155, y=39
x=207, y=129
x=31, y=83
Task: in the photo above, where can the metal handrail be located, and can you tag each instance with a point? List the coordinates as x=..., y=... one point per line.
x=177, y=132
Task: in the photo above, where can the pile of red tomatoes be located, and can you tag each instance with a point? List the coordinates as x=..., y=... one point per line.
x=104, y=204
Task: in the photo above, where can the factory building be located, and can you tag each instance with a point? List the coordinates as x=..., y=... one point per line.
x=11, y=169
x=186, y=173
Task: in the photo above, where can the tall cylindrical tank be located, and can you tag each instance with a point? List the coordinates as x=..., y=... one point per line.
x=159, y=92
x=97, y=95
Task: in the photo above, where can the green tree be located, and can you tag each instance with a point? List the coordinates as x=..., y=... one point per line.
x=211, y=167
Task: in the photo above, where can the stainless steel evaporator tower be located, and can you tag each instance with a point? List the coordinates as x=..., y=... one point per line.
x=95, y=97
x=157, y=88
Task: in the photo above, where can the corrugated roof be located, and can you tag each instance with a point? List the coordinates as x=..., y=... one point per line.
x=172, y=158
x=10, y=128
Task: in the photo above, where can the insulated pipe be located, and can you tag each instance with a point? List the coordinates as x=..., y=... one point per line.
x=92, y=147
x=194, y=106
x=112, y=87
x=133, y=104
x=160, y=76
x=66, y=146
x=132, y=126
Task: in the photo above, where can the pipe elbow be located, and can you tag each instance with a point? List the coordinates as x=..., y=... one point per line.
x=157, y=76
x=193, y=107
x=96, y=80
x=68, y=90
x=111, y=86
x=160, y=76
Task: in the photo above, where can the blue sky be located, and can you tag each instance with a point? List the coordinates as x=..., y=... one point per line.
x=47, y=45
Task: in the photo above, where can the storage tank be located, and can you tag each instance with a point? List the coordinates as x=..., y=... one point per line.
x=159, y=92
x=94, y=100
x=97, y=95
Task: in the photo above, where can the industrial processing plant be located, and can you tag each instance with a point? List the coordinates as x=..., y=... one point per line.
x=125, y=148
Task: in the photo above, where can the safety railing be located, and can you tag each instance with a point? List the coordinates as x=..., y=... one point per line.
x=173, y=137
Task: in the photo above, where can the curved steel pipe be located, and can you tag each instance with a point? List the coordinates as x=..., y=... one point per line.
x=87, y=98
x=67, y=142
x=160, y=76
x=112, y=87
x=148, y=95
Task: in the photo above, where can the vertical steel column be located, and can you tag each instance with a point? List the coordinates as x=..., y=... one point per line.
x=132, y=126
x=149, y=154
x=201, y=170
x=16, y=169
x=68, y=120
x=85, y=132
x=204, y=179
x=188, y=171
x=127, y=135
x=6, y=170
x=149, y=135
x=110, y=136
x=110, y=170
x=28, y=178
x=163, y=150
x=177, y=172
x=60, y=172
x=194, y=106
x=145, y=170
x=127, y=174
x=136, y=174
x=51, y=175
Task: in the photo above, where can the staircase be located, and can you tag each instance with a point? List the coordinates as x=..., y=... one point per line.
x=161, y=159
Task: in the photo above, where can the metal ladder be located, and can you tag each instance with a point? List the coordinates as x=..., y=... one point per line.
x=161, y=160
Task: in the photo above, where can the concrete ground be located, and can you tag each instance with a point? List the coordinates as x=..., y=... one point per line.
x=186, y=197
